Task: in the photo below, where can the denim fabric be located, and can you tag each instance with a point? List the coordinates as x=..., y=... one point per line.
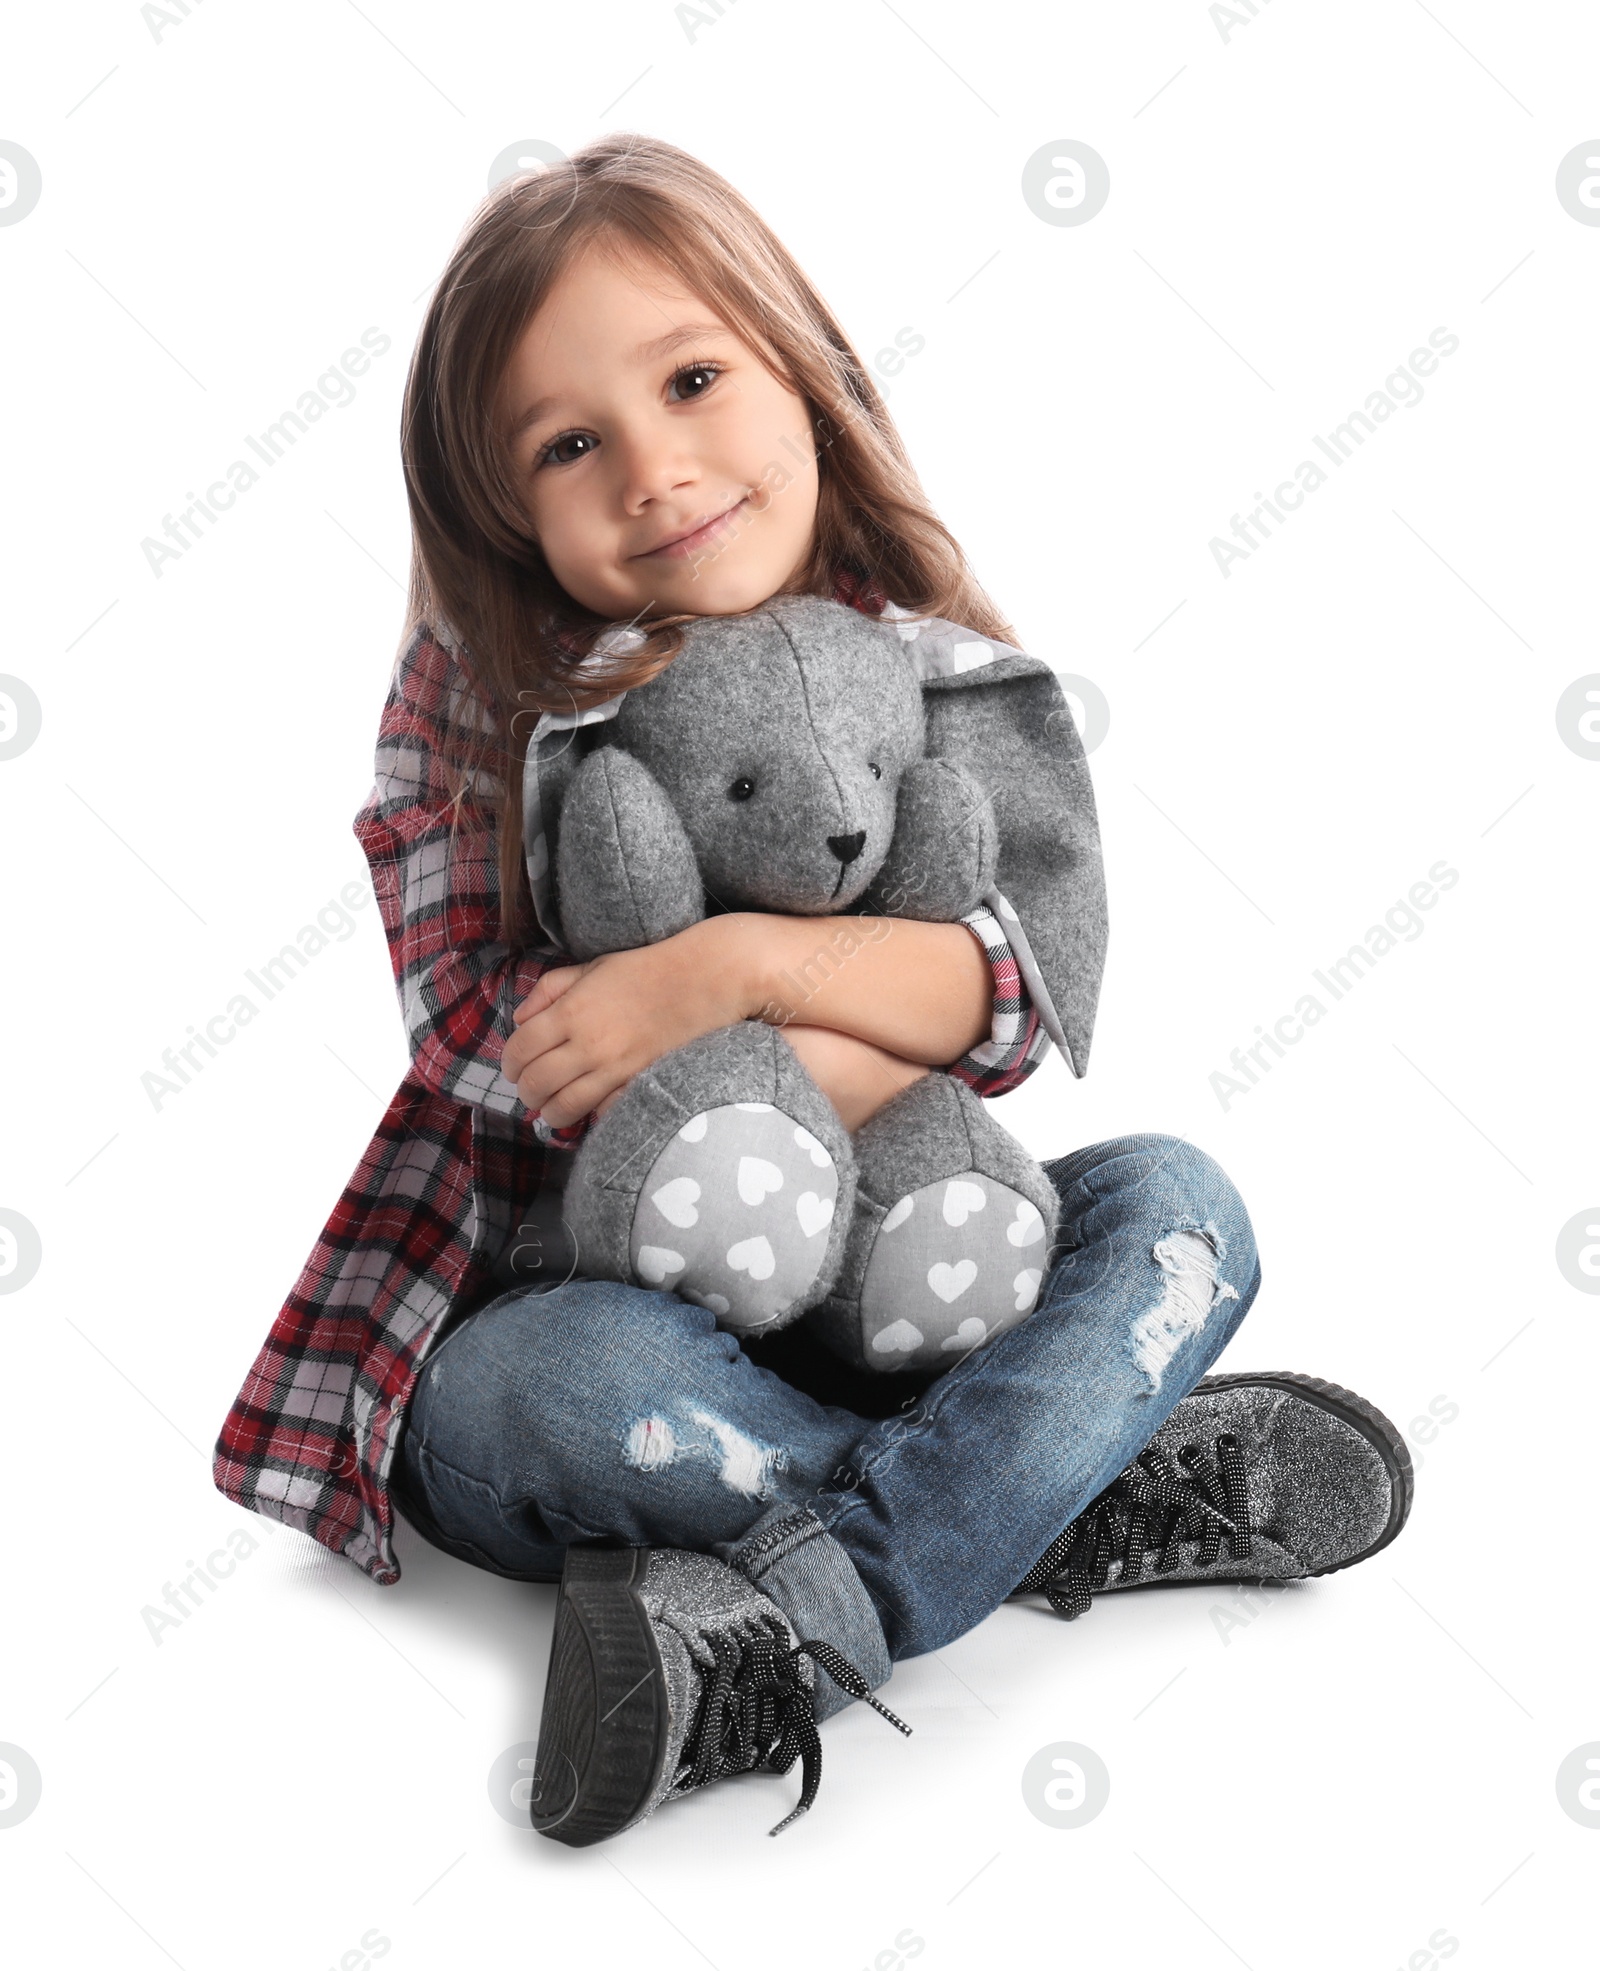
x=791, y=1557
x=593, y=1411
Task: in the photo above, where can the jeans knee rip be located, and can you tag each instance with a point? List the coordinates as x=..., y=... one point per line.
x=1188, y=1257
x=743, y=1465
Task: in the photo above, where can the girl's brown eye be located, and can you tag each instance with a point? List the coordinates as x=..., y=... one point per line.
x=551, y=453
x=554, y=454
x=711, y=370
x=742, y=788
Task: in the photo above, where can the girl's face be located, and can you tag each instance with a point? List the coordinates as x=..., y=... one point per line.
x=664, y=468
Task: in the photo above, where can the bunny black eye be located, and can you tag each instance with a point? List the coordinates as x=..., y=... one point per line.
x=877, y=771
x=742, y=788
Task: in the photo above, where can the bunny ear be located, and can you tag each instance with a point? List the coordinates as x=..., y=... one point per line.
x=1002, y=715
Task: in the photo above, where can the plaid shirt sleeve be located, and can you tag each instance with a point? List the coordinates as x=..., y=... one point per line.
x=1017, y=1041
x=440, y=898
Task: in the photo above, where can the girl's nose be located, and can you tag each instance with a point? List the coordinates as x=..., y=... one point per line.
x=848, y=847
x=652, y=466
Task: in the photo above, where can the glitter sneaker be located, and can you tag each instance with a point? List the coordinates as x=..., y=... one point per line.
x=1268, y=1477
x=668, y=1669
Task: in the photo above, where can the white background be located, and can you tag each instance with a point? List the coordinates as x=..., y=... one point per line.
x=1294, y=206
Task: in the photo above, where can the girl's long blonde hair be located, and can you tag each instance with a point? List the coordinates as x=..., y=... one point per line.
x=518, y=636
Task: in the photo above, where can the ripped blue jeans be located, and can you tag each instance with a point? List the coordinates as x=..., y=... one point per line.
x=593, y=1411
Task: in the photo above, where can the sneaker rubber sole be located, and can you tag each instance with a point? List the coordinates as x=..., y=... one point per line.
x=604, y=1725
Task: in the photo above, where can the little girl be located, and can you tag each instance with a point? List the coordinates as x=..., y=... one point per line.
x=629, y=407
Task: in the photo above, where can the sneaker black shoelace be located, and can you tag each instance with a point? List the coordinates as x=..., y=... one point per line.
x=1156, y=1506
x=756, y=1710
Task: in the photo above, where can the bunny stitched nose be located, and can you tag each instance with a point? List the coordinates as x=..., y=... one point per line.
x=848, y=847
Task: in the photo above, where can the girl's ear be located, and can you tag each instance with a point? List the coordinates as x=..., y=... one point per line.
x=626, y=874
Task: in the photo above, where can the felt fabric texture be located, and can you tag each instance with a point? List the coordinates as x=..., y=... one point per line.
x=952, y=1224
x=794, y=704
x=989, y=708
x=780, y=762
x=625, y=867
x=609, y=1192
x=734, y=1215
x=944, y=847
x=1009, y=725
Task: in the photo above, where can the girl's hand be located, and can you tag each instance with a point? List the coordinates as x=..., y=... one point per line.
x=586, y=1030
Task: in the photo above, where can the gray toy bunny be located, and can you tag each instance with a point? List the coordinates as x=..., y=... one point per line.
x=793, y=759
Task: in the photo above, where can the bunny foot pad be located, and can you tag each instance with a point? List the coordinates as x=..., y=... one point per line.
x=953, y=1265
x=735, y=1214
x=950, y=1237
x=723, y=1175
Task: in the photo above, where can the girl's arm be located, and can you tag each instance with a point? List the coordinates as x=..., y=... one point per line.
x=856, y=1077
x=924, y=991
x=917, y=994
x=461, y=995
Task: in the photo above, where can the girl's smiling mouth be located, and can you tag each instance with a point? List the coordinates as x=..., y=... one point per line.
x=684, y=545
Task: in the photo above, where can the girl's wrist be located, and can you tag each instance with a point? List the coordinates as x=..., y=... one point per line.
x=776, y=962
x=733, y=951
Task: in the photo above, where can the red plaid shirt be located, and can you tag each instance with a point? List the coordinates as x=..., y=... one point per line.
x=455, y=1163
